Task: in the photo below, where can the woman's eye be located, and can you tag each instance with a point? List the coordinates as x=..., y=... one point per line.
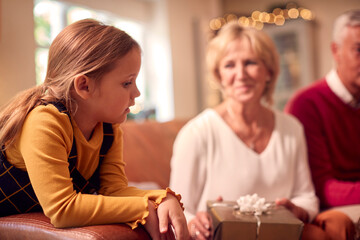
x=250, y=62
x=228, y=65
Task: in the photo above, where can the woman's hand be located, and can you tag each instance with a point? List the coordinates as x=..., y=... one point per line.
x=299, y=212
x=200, y=226
x=170, y=214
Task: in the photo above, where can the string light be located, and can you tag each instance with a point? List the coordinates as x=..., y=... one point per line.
x=257, y=19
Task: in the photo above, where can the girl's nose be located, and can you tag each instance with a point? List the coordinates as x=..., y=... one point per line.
x=136, y=93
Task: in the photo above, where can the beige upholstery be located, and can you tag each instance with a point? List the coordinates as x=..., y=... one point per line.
x=148, y=150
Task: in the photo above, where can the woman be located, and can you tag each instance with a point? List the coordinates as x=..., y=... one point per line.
x=242, y=146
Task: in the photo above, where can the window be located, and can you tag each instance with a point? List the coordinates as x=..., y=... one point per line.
x=52, y=16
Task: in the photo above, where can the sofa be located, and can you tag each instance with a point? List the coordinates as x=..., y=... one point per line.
x=147, y=153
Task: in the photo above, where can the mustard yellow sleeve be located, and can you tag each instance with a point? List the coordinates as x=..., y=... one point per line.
x=114, y=181
x=45, y=142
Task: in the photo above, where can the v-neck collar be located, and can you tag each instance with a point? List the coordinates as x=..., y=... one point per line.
x=256, y=154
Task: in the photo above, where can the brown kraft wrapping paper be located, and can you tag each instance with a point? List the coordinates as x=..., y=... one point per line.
x=229, y=224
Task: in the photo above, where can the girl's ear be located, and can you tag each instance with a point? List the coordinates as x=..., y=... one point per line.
x=82, y=86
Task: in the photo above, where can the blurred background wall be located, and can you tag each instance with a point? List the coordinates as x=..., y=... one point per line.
x=176, y=34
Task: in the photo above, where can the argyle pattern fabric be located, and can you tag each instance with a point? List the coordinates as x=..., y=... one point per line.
x=93, y=184
x=16, y=192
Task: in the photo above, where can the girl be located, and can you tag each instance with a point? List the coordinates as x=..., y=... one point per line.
x=62, y=145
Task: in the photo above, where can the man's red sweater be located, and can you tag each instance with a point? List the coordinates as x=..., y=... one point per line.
x=332, y=130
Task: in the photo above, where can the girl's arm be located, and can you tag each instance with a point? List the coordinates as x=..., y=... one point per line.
x=169, y=209
x=45, y=142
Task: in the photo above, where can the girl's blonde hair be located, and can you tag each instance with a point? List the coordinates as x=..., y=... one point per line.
x=86, y=47
x=261, y=44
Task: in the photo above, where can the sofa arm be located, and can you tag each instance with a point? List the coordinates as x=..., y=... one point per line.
x=38, y=226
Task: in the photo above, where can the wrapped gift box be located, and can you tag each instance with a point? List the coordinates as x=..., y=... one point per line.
x=229, y=224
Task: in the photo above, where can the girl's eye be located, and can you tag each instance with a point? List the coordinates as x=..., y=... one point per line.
x=127, y=83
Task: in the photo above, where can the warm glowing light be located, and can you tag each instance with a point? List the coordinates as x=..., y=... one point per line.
x=231, y=17
x=222, y=21
x=306, y=14
x=257, y=19
x=258, y=25
x=246, y=21
x=285, y=13
x=264, y=17
x=255, y=15
x=293, y=13
x=251, y=21
x=278, y=11
x=242, y=20
x=215, y=24
x=271, y=18
x=212, y=25
x=279, y=20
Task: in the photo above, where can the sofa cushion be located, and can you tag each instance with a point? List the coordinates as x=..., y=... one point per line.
x=148, y=149
x=38, y=226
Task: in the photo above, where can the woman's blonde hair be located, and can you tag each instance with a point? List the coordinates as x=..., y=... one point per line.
x=261, y=44
x=86, y=47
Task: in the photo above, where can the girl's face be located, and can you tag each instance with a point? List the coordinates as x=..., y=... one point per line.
x=242, y=74
x=117, y=90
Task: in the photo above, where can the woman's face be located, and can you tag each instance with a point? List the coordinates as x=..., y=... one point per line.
x=242, y=74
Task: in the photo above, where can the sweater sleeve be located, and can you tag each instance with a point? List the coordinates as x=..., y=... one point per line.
x=303, y=192
x=114, y=181
x=45, y=142
x=331, y=191
x=188, y=167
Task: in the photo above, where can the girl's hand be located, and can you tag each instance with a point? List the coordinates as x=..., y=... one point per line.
x=200, y=226
x=299, y=212
x=170, y=215
x=152, y=222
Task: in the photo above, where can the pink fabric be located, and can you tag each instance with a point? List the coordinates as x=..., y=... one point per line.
x=332, y=131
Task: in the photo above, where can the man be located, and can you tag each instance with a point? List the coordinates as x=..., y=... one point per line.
x=330, y=111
